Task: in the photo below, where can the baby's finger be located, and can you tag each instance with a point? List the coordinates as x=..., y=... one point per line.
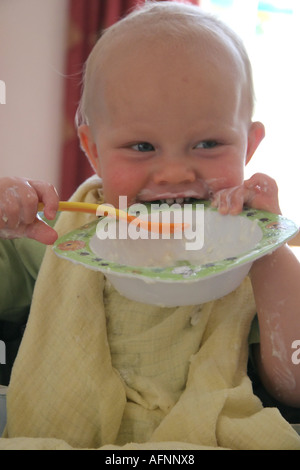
x=229, y=200
x=12, y=211
x=18, y=203
x=41, y=232
x=9, y=217
x=38, y=230
x=26, y=204
x=47, y=194
x=262, y=193
x=19, y=200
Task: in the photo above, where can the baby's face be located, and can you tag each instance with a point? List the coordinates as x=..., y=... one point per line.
x=169, y=127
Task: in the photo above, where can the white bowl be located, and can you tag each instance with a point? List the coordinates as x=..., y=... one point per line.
x=209, y=260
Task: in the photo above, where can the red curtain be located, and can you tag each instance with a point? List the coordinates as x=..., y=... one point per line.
x=87, y=18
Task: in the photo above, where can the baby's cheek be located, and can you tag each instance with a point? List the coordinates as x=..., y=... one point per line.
x=222, y=183
x=118, y=183
x=230, y=178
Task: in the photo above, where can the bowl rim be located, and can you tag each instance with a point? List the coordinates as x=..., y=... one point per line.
x=276, y=230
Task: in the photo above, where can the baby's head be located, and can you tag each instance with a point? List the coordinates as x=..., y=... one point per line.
x=174, y=27
x=167, y=105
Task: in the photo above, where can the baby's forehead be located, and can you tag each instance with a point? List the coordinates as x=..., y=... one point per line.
x=133, y=52
x=126, y=51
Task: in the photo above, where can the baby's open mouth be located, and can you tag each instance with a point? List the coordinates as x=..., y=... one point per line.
x=182, y=198
x=184, y=195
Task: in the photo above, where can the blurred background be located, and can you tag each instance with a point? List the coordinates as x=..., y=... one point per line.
x=44, y=44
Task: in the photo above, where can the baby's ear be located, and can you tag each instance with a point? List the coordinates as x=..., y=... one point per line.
x=89, y=147
x=255, y=136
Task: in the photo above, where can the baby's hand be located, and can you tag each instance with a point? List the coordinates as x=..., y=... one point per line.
x=258, y=192
x=19, y=200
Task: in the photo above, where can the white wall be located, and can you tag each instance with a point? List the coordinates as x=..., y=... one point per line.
x=275, y=61
x=32, y=52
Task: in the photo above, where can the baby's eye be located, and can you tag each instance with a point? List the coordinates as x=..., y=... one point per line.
x=143, y=147
x=207, y=144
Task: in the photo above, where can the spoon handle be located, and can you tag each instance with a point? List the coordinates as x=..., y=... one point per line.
x=102, y=209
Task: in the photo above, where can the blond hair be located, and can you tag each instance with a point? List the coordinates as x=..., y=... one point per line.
x=176, y=20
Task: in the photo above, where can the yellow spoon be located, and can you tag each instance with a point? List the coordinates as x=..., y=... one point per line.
x=104, y=210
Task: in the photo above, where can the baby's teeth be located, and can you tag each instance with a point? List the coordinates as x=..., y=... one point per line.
x=178, y=200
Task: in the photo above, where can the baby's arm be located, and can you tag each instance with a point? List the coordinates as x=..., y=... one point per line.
x=19, y=200
x=276, y=285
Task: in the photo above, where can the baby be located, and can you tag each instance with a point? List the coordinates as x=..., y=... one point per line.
x=166, y=114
